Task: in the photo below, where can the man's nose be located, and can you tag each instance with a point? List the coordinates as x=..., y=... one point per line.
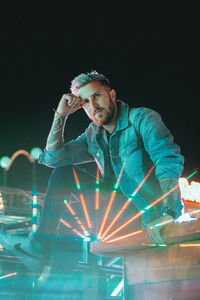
x=93, y=104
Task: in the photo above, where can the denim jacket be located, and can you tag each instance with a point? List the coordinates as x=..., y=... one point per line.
x=139, y=141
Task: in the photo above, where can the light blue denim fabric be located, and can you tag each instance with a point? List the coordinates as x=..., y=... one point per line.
x=139, y=141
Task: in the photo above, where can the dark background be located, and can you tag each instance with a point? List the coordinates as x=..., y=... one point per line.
x=149, y=51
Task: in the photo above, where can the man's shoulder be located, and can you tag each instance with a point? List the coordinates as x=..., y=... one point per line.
x=140, y=111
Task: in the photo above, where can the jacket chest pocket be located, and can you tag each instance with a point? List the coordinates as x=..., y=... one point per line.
x=126, y=149
x=95, y=151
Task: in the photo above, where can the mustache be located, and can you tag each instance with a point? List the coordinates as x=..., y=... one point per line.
x=96, y=111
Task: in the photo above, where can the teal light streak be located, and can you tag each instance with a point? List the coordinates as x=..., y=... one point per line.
x=191, y=175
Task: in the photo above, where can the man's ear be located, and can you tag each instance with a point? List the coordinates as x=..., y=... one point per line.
x=113, y=94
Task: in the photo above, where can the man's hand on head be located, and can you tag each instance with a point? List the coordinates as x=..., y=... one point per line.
x=68, y=104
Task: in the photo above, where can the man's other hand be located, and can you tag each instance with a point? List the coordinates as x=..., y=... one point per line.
x=68, y=104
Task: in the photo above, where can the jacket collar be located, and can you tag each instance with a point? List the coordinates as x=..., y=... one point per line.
x=123, y=112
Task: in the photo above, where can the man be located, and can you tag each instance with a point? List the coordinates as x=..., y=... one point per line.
x=127, y=144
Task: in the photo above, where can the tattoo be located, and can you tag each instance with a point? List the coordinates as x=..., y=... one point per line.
x=55, y=138
x=170, y=185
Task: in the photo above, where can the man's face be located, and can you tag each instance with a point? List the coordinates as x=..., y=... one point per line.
x=99, y=102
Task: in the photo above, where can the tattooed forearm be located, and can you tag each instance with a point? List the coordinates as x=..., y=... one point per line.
x=170, y=186
x=55, y=138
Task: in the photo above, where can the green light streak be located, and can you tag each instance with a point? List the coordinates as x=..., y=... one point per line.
x=195, y=172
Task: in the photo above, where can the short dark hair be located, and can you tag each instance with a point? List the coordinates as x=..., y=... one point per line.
x=85, y=78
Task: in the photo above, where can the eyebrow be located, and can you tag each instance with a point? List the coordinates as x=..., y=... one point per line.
x=96, y=92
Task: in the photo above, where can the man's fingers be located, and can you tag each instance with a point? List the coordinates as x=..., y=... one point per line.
x=155, y=236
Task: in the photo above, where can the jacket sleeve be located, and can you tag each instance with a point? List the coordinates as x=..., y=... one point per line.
x=158, y=142
x=73, y=152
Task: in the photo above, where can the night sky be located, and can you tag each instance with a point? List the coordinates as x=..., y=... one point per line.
x=149, y=51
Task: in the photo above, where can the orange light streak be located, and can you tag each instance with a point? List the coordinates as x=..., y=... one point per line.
x=109, y=205
x=70, y=208
x=128, y=202
x=65, y=223
x=82, y=201
x=189, y=245
x=124, y=225
x=75, y=176
x=163, y=223
x=8, y=275
x=97, y=191
x=116, y=218
x=125, y=236
x=85, y=211
x=162, y=197
x=76, y=218
x=78, y=233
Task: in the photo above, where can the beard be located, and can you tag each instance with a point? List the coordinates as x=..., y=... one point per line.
x=105, y=116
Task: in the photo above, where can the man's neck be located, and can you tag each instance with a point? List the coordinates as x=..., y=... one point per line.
x=113, y=123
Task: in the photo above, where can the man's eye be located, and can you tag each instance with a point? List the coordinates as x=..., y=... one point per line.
x=84, y=101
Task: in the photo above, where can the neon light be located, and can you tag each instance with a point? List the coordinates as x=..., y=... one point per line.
x=191, y=175
x=8, y=275
x=109, y=205
x=85, y=211
x=106, y=214
x=16, y=154
x=69, y=226
x=1, y=204
x=189, y=245
x=189, y=191
x=69, y=208
x=124, y=225
x=128, y=201
x=164, y=222
x=116, y=218
x=82, y=200
x=97, y=191
x=78, y=233
x=148, y=207
x=118, y=289
x=124, y=236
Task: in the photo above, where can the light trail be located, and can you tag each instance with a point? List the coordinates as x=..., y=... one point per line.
x=74, y=230
x=128, y=201
x=8, y=275
x=97, y=190
x=110, y=203
x=76, y=218
x=189, y=245
x=123, y=225
x=146, y=208
x=125, y=236
x=82, y=200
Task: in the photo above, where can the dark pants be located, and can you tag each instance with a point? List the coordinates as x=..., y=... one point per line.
x=58, y=223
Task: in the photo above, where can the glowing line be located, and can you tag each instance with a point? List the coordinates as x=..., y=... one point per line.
x=69, y=226
x=70, y=208
x=125, y=236
x=128, y=202
x=85, y=211
x=124, y=225
x=164, y=222
x=82, y=200
x=109, y=205
x=97, y=191
x=162, y=197
x=148, y=207
x=78, y=233
x=189, y=245
x=8, y=275
x=65, y=223
x=16, y=154
x=74, y=214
